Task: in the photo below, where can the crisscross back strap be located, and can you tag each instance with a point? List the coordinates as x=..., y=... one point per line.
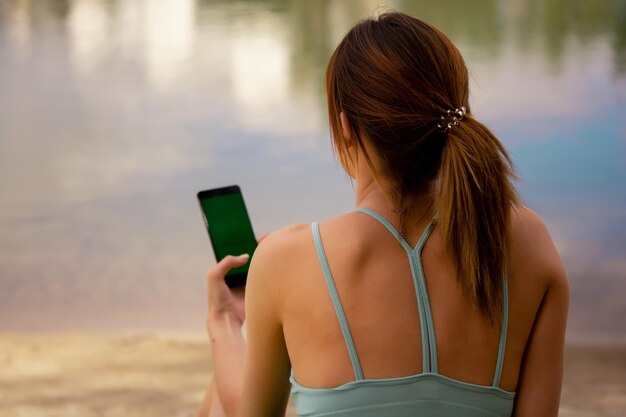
x=345, y=329
x=503, y=331
x=429, y=345
x=394, y=232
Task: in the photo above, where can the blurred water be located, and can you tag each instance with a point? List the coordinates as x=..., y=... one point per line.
x=114, y=113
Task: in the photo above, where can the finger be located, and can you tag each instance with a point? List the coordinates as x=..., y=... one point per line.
x=263, y=236
x=229, y=262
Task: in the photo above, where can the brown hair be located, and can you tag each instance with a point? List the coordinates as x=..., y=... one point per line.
x=394, y=77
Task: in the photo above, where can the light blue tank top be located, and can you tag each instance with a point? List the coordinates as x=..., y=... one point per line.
x=428, y=394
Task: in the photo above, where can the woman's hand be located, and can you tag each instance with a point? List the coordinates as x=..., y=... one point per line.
x=224, y=302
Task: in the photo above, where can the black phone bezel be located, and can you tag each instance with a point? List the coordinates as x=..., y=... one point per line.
x=213, y=192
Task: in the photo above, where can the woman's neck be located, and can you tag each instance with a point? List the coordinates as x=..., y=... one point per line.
x=382, y=199
x=379, y=193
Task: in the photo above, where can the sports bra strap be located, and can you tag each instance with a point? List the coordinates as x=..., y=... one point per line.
x=345, y=329
x=503, y=330
x=388, y=225
x=429, y=345
x=420, y=280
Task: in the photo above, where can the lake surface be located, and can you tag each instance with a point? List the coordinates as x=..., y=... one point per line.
x=113, y=114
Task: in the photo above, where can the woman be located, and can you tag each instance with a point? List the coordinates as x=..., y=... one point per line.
x=440, y=295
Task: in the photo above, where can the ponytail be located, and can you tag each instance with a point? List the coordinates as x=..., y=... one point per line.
x=395, y=77
x=474, y=204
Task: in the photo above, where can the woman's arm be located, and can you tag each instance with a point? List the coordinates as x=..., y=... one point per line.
x=224, y=321
x=266, y=377
x=539, y=386
x=251, y=380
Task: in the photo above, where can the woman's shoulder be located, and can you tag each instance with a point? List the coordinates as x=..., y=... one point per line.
x=292, y=247
x=278, y=246
x=274, y=256
x=533, y=248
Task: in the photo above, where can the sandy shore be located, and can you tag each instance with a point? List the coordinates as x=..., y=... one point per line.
x=154, y=375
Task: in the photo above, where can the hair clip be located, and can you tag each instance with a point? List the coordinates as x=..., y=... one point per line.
x=451, y=118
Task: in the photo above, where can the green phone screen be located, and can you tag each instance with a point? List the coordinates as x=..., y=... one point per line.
x=229, y=226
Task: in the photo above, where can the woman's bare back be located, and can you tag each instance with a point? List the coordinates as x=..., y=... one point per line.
x=373, y=279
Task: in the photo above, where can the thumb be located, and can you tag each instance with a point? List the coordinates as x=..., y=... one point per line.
x=229, y=262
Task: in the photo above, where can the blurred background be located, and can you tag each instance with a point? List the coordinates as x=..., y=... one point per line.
x=114, y=113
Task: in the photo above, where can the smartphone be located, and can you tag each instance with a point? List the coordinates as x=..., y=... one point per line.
x=229, y=227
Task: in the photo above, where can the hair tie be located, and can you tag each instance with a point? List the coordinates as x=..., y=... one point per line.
x=451, y=118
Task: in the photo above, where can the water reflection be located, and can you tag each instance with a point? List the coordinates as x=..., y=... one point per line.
x=113, y=113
